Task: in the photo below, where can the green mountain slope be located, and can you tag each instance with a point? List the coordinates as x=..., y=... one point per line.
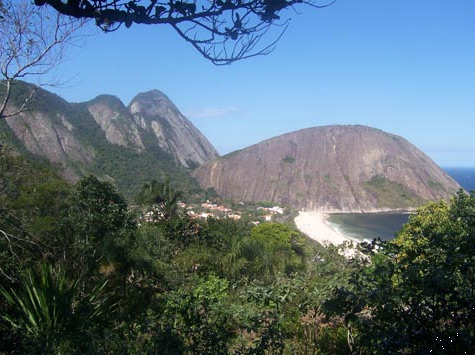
x=76, y=142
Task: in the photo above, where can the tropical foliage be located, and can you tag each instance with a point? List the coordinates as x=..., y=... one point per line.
x=81, y=272
x=416, y=294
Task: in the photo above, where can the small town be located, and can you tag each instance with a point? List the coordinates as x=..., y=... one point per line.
x=254, y=213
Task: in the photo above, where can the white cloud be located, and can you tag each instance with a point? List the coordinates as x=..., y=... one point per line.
x=211, y=112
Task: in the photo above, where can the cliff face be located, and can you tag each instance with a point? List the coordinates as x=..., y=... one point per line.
x=116, y=122
x=53, y=138
x=155, y=113
x=151, y=120
x=332, y=168
x=129, y=145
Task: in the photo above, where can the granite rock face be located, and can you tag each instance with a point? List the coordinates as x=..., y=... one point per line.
x=115, y=120
x=52, y=137
x=151, y=119
x=150, y=137
x=330, y=169
x=155, y=113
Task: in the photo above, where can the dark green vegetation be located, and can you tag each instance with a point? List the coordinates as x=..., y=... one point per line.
x=82, y=273
x=390, y=194
x=288, y=160
x=416, y=295
x=117, y=163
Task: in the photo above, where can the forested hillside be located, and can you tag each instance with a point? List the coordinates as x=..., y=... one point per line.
x=80, y=272
x=101, y=137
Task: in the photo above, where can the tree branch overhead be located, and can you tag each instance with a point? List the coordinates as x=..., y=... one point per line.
x=223, y=31
x=33, y=42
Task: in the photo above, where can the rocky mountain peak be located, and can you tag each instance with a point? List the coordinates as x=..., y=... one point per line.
x=105, y=137
x=151, y=119
x=153, y=112
x=330, y=169
x=111, y=101
x=151, y=103
x=150, y=96
x=114, y=119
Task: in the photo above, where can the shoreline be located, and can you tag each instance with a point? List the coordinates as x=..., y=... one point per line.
x=408, y=210
x=315, y=226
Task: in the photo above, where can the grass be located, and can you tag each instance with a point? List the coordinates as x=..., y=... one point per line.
x=391, y=194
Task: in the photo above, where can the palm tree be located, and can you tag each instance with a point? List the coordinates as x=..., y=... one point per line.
x=52, y=308
x=160, y=198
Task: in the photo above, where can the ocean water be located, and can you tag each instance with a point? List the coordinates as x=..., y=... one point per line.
x=367, y=226
x=464, y=176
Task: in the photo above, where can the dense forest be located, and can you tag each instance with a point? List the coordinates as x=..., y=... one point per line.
x=82, y=272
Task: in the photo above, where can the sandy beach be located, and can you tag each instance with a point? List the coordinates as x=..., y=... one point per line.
x=315, y=226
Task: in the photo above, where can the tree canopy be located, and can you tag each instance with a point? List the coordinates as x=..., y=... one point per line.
x=81, y=272
x=223, y=31
x=416, y=293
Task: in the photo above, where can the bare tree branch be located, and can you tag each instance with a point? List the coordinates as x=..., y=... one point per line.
x=33, y=42
x=223, y=31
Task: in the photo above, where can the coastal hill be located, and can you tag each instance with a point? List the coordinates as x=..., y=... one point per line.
x=330, y=169
x=130, y=145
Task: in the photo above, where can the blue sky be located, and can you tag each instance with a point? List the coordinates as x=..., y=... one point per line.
x=403, y=66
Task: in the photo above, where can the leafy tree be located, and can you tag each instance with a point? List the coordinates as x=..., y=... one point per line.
x=218, y=249
x=152, y=251
x=160, y=199
x=223, y=31
x=223, y=234
x=41, y=204
x=32, y=199
x=199, y=313
x=98, y=226
x=275, y=248
x=274, y=314
x=211, y=194
x=416, y=293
